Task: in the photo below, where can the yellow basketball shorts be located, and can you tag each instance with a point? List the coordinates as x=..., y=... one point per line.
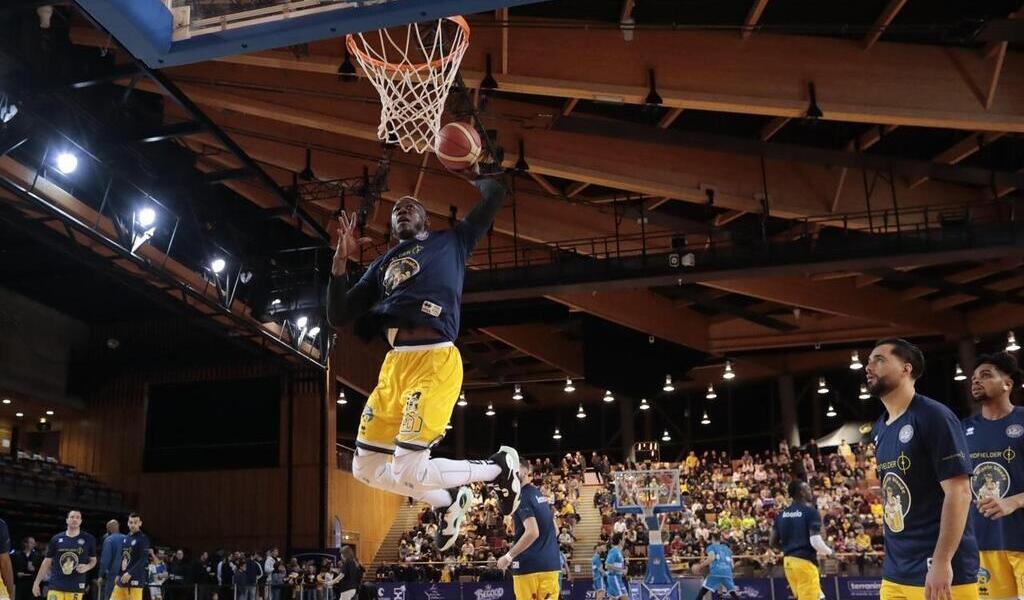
x=56, y=595
x=803, y=577
x=3, y=589
x=898, y=591
x=536, y=586
x=413, y=401
x=126, y=593
x=1001, y=575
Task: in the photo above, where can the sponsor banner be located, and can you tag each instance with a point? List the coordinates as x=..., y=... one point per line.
x=391, y=591
x=859, y=587
x=759, y=588
x=487, y=591
x=433, y=591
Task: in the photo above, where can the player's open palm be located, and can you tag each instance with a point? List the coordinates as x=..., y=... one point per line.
x=938, y=581
x=349, y=241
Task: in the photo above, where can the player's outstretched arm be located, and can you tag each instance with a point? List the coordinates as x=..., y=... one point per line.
x=346, y=300
x=479, y=220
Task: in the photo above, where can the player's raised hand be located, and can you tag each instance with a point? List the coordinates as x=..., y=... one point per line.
x=348, y=241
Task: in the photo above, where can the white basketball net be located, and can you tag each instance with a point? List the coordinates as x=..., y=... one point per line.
x=413, y=75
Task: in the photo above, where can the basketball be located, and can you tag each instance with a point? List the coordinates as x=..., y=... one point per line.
x=458, y=146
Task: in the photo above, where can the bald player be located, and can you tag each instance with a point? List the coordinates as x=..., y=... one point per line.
x=995, y=437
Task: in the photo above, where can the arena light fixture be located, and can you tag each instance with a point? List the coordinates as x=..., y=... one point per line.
x=959, y=374
x=822, y=386
x=20, y=415
x=704, y=420
x=581, y=414
x=518, y=393
x=864, y=394
x=49, y=413
x=557, y=435
x=608, y=396
x=855, y=364
x=275, y=302
x=668, y=387
x=6, y=400
x=1011, y=342
x=643, y=404
x=711, y=395
x=42, y=419
x=462, y=399
x=66, y=163
x=315, y=331
x=569, y=387
x=490, y=410
x=831, y=412
x=301, y=322
x=217, y=265
x=146, y=216
x=728, y=374
x=665, y=437
x=341, y=397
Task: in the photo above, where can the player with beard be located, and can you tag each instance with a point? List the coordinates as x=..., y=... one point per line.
x=924, y=467
x=996, y=441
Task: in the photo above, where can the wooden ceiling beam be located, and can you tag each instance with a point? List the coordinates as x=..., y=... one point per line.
x=772, y=127
x=542, y=343
x=960, y=151
x=753, y=16
x=670, y=117
x=882, y=22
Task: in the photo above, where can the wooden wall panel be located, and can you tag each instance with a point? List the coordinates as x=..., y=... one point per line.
x=362, y=509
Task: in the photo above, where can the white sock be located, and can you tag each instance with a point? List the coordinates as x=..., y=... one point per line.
x=438, y=498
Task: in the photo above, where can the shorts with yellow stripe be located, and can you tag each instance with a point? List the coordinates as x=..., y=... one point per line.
x=803, y=577
x=414, y=398
x=58, y=595
x=126, y=593
x=3, y=589
x=1001, y=576
x=898, y=591
x=536, y=586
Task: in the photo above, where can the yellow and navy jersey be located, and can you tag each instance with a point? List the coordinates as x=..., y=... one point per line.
x=67, y=553
x=997, y=452
x=419, y=281
x=543, y=554
x=916, y=452
x=794, y=527
x=135, y=559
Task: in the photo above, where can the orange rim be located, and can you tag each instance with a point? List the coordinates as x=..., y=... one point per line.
x=350, y=41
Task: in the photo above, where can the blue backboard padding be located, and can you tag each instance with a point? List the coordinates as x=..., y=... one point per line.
x=150, y=39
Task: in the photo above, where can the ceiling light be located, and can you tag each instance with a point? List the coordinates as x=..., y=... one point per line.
x=665, y=437
x=959, y=374
x=488, y=82
x=569, y=387
x=462, y=399
x=19, y=414
x=822, y=388
x=608, y=396
x=855, y=363
x=347, y=70
x=301, y=322
x=705, y=420
x=1011, y=342
x=831, y=412
x=557, y=435
x=864, y=394
x=7, y=401
x=217, y=265
x=643, y=404
x=341, y=397
x=518, y=393
x=146, y=217
x=653, y=98
x=275, y=302
x=711, y=395
x=813, y=110
x=314, y=332
x=67, y=162
x=490, y=410
x=580, y=414
x=728, y=374
x=49, y=413
x=42, y=419
x=668, y=387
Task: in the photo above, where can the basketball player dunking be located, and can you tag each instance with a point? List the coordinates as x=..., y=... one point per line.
x=996, y=440
x=924, y=467
x=412, y=294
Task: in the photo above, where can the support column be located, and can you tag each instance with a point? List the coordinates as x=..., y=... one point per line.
x=626, y=420
x=787, y=406
x=967, y=354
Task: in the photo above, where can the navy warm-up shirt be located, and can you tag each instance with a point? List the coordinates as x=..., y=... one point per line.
x=5, y=538
x=135, y=559
x=794, y=528
x=419, y=281
x=543, y=555
x=916, y=452
x=67, y=553
x=997, y=451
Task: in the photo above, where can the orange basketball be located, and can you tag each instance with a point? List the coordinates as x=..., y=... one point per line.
x=458, y=146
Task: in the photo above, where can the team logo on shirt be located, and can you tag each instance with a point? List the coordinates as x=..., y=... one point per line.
x=906, y=433
x=68, y=561
x=1015, y=431
x=398, y=272
x=990, y=480
x=897, y=501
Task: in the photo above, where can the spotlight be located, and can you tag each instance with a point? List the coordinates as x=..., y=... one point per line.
x=822, y=388
x=831, y=412
x=521, y=165
x=347, y=71
x=813, y=110
x=49, y=413
x=557, y=435
x=518, y=393
x=217, y=265
x=569, y=387
x=67, y=163
x=6, y=400
x=19, y=414
x=608, y=396
x=668, y=387
x=301, y=322
x=665, y=437
x=490, y=410
x=711, y=395
x=146, y=217
x=314, y=332
x=653, y=98
x=275, y=302
x=864, y=395
x=728, y=374
x=580, y=414
x=705, y=420
x=959, y=374
x=341, y=397
x=643, y=404
x=1011, y=342
x=462, y=399
x=488, y=83
x=855, y=364
x=42, y=419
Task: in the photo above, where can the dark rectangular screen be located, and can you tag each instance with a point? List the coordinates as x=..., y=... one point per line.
x=233, y=424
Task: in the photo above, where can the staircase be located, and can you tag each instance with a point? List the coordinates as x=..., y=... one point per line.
x=405, y=521
x=587, y=532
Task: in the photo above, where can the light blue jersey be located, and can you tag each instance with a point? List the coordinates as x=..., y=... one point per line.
x=597, y=572
x=720, y=571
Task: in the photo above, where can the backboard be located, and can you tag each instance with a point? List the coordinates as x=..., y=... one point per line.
x=647, y=492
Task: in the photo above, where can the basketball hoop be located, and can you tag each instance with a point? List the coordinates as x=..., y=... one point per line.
x=412, y=75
